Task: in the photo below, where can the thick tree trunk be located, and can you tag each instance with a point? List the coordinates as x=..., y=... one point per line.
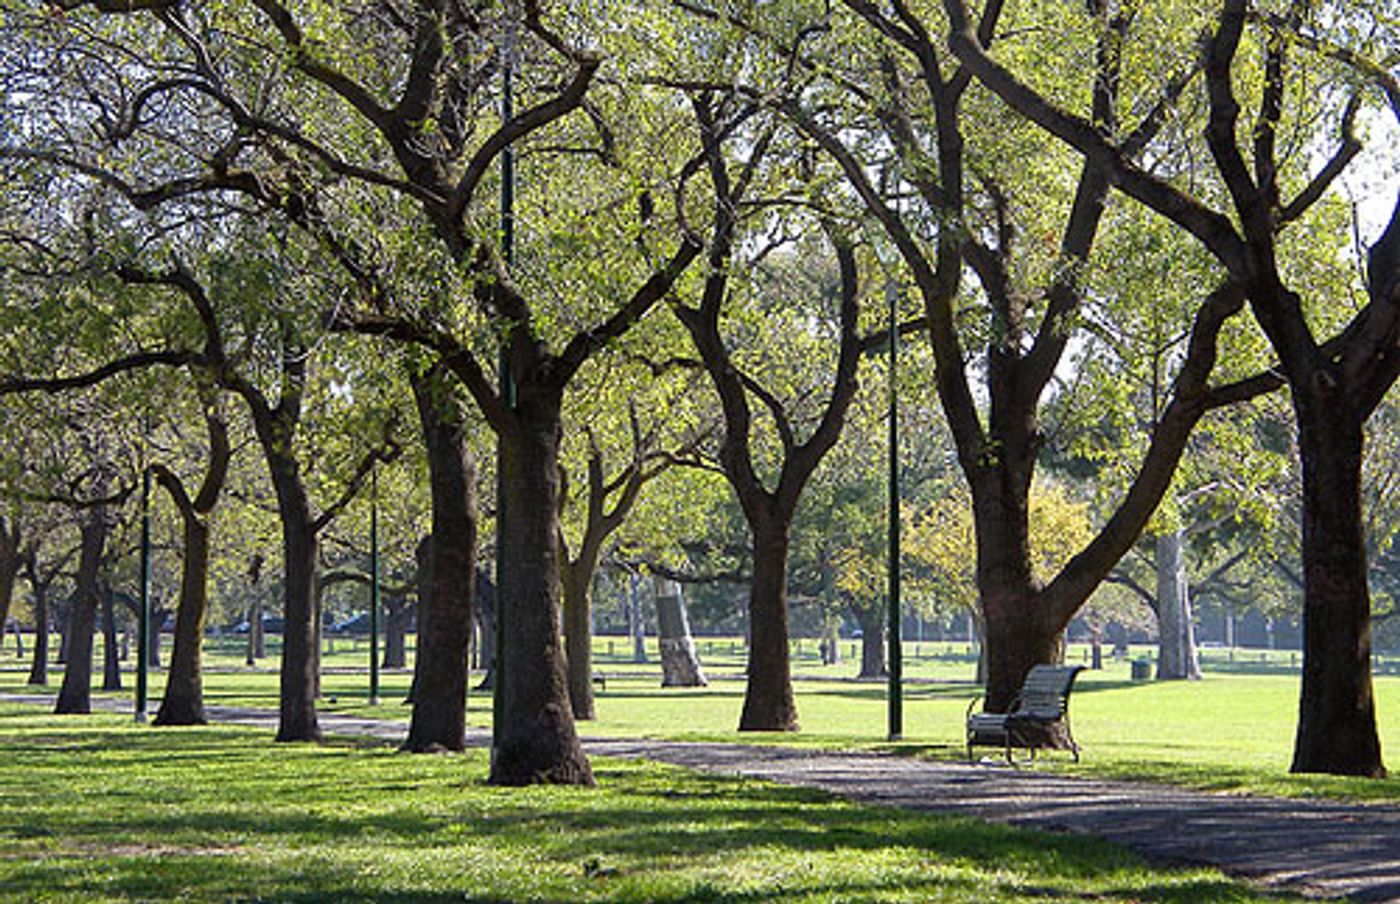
x=11, y=560
x=75, y=696
x=535, y=739
x=445, y=610
x=680, y=663
x=111, y=655
x=1176, y=651
x=396, y=616
x=1336, y=716
x=1018, y=631
x=39, y=669
x=873, y=621
x=257, y=647
x=578, y=635
x=158, y=616
x=422, y=558
x=484, y=615
x=768, y=701
x=1016, y=640
x=297, y=678
x=183, y=703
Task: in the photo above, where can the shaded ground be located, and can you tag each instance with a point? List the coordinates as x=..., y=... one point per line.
x=1307, y=847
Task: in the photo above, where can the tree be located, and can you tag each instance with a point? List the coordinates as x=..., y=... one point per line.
x=183, y=703
x=768, y=509
x=445, y=587
x=962, y=197
x=1335, y=384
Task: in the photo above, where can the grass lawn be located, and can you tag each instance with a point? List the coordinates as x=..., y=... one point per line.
x=99, y=809
x=1233, y=731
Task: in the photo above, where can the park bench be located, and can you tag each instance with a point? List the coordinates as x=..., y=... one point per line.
x=1038, y=717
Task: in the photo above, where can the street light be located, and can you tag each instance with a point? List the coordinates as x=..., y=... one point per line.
x=889, y=262
x=143, y=615
x=896, y=665
x=374, y=587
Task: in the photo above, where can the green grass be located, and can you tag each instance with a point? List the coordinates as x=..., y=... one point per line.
x=98, y=809
x=1231, y=732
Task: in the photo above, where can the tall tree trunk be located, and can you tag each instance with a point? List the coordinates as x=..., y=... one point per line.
x=535, y=739
x=831, y=641
x=423, y=561
x=11, y=561
x=297, y=678
x=768, y=701
x=1019, y=632
x=64, y=617
x=75, y=696
x=183, y=703
x=636, y=623
x=578, y=635
x=257, y=641
x=396, y=615
x=111, y=654
x=158, y=616
x=1176, y=651
x=484, y=615
x=1336, y=715
x=445, y=610
x=39, y=670
x=873, y=662
x=680, y=662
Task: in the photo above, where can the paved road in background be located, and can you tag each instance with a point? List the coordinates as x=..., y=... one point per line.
x=1306, y=847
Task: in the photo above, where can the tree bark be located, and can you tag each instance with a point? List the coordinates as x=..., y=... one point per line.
x=536, y=739
x=111, y=655
x=445, y=609
x=1176, y=650
x=484, y=615
x=578, y=634
x=769, y=703
x=257, y=642
x=1336, y=714
x=397, y=613
x=872, y=620
x=11, y=561
x=183, y=702
x=39, y=669
x=75, y=696
x=297, y=677
x=680, y=663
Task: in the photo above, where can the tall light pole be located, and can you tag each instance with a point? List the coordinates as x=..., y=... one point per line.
x=374, y=587
x=143, y=615
x=896, y=664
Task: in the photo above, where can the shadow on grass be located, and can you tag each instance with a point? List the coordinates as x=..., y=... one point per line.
x=208, y=814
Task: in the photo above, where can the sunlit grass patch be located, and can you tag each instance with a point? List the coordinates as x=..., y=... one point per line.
x=96, y=808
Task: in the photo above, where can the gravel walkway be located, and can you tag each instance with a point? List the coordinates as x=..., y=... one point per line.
x=1305, y=847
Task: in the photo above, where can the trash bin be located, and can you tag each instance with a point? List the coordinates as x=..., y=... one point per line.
x=1142, y=669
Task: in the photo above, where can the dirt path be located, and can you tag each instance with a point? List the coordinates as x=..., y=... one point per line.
x=1305, y=847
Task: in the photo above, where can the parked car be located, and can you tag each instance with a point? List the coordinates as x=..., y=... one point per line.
x=356, y=624
x=271, y=625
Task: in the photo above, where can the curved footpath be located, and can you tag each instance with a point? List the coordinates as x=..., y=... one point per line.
x=1301, y=846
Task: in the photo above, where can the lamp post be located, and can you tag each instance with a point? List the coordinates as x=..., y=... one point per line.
x=374, y=587
x=889, y=262
x=896, y=664
x=143, y=615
